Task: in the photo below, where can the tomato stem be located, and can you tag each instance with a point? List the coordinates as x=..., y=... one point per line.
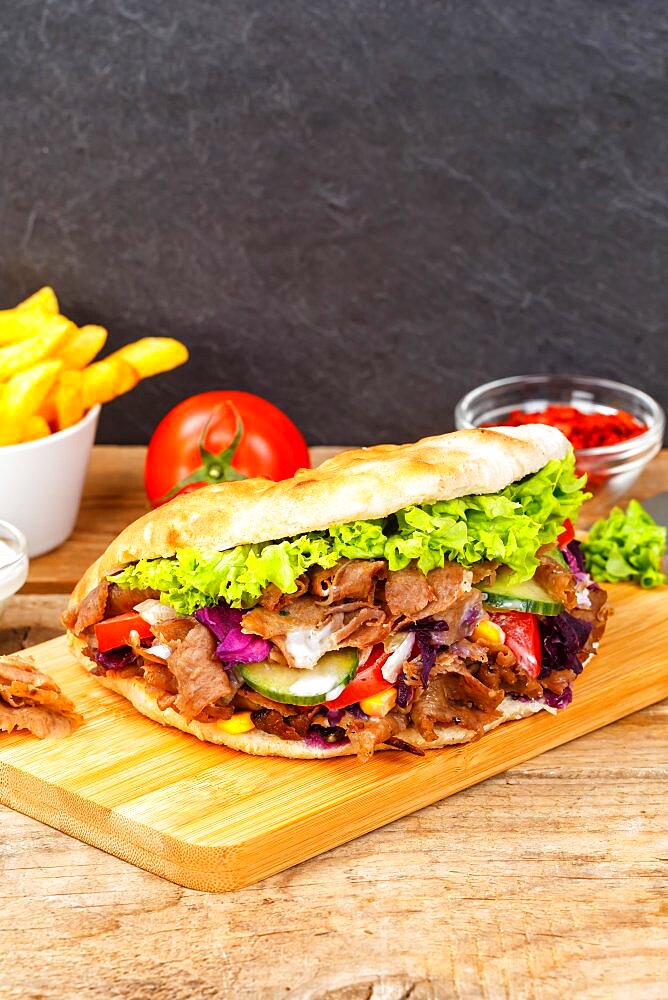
x=215, y=468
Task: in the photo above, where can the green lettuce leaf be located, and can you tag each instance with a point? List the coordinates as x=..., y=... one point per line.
x=508, y=526
x=626, y=546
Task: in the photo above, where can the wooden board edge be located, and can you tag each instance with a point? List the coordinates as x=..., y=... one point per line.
x=180, y=862
x=236, y=865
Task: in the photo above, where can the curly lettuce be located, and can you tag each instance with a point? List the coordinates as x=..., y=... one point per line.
x=508, y=526
x=626, y=546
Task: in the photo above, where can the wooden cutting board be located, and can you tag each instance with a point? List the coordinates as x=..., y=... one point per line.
x=210, y=818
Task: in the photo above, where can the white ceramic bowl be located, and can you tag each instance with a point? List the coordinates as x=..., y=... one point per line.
x=41, y=483
x=13, y=562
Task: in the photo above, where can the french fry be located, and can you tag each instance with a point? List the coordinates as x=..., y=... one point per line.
x=27, y=318
x=43, y=300
x=47, y=411
x=153, y=355
x=105, y=380
x=67, y=399
x=16, y=326
x=36, y=427
x=19, y=357
x=83, y=346
x=22, y=396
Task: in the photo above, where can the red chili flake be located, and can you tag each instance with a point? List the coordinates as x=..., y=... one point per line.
x=583, y=430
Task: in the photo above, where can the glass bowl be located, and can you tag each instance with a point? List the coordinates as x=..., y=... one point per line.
x=13, y=562
x=611, y=470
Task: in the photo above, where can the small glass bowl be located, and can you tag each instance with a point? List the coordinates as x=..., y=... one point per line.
x=13, y=562
x=612, y=469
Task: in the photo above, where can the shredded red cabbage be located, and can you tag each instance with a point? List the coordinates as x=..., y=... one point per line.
x=572, y=562
x=404, y=692
x=558, y=700
x=114, y=659
x=473, y=615
x=315, y=737
x=427, y=625
x=575, y=561
x=574, y=550
x=334, y=715
x=234, y=646
x=357, y=711
x=430, y=637
x=427, y=655
x=562, y=638
x=551, y=699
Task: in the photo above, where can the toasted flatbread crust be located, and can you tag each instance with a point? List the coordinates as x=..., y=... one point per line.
x=355, y=485
x=260, y=744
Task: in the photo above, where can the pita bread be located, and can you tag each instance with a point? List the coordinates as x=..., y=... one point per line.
x=261, y=744
x=355, y=485
x=362, y=484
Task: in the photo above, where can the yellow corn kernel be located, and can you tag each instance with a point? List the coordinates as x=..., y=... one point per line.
x=488, y=633
x=240, y=722
x=379, y=704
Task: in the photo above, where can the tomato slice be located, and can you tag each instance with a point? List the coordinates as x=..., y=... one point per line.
x=567, y=535
x=522, y=638
x=113, y=632
x=367, y=681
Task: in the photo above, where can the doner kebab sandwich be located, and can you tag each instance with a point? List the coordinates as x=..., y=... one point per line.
x=401, y=596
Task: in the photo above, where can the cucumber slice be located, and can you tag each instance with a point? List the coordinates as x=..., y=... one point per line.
x=527, y=596
x=324, y=682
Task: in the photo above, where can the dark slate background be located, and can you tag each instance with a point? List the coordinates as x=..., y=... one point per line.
x=357, y=209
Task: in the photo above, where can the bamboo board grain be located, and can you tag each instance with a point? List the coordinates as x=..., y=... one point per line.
x=208, y=818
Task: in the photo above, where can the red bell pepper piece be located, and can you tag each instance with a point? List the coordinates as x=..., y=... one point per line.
x=567, y=535
x=368, y=681
x=113, y=632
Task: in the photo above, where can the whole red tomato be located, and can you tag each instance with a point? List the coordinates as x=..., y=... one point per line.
x=218, y=436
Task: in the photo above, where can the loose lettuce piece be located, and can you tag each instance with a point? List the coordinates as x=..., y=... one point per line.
x=508, y=526
x=626, y=546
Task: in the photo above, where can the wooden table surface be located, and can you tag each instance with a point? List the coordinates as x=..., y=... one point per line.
x=546, y=881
